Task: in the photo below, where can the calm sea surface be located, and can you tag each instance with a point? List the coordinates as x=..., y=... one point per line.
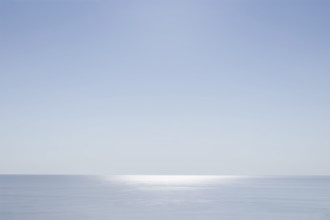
x=25, y=197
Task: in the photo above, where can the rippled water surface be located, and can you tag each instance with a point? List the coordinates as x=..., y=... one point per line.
x=25, y=197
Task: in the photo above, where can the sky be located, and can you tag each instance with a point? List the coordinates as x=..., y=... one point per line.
x=165, y=87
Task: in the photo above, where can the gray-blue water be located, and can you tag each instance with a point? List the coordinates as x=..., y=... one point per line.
x=25, y=197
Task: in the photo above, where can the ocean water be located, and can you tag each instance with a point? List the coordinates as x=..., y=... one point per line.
x=32, y=197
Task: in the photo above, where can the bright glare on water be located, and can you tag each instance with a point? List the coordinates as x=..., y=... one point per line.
x=172, y=180
x=150, y=197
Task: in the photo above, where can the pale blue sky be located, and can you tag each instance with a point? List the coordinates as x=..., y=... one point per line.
x=165, y=87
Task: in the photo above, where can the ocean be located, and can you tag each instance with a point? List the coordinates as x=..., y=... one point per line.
x=153, y=197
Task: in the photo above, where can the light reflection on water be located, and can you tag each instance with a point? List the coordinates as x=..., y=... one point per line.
x=169, y=190
x=172, y=181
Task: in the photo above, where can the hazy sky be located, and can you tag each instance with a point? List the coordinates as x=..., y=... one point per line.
x=236, y=87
